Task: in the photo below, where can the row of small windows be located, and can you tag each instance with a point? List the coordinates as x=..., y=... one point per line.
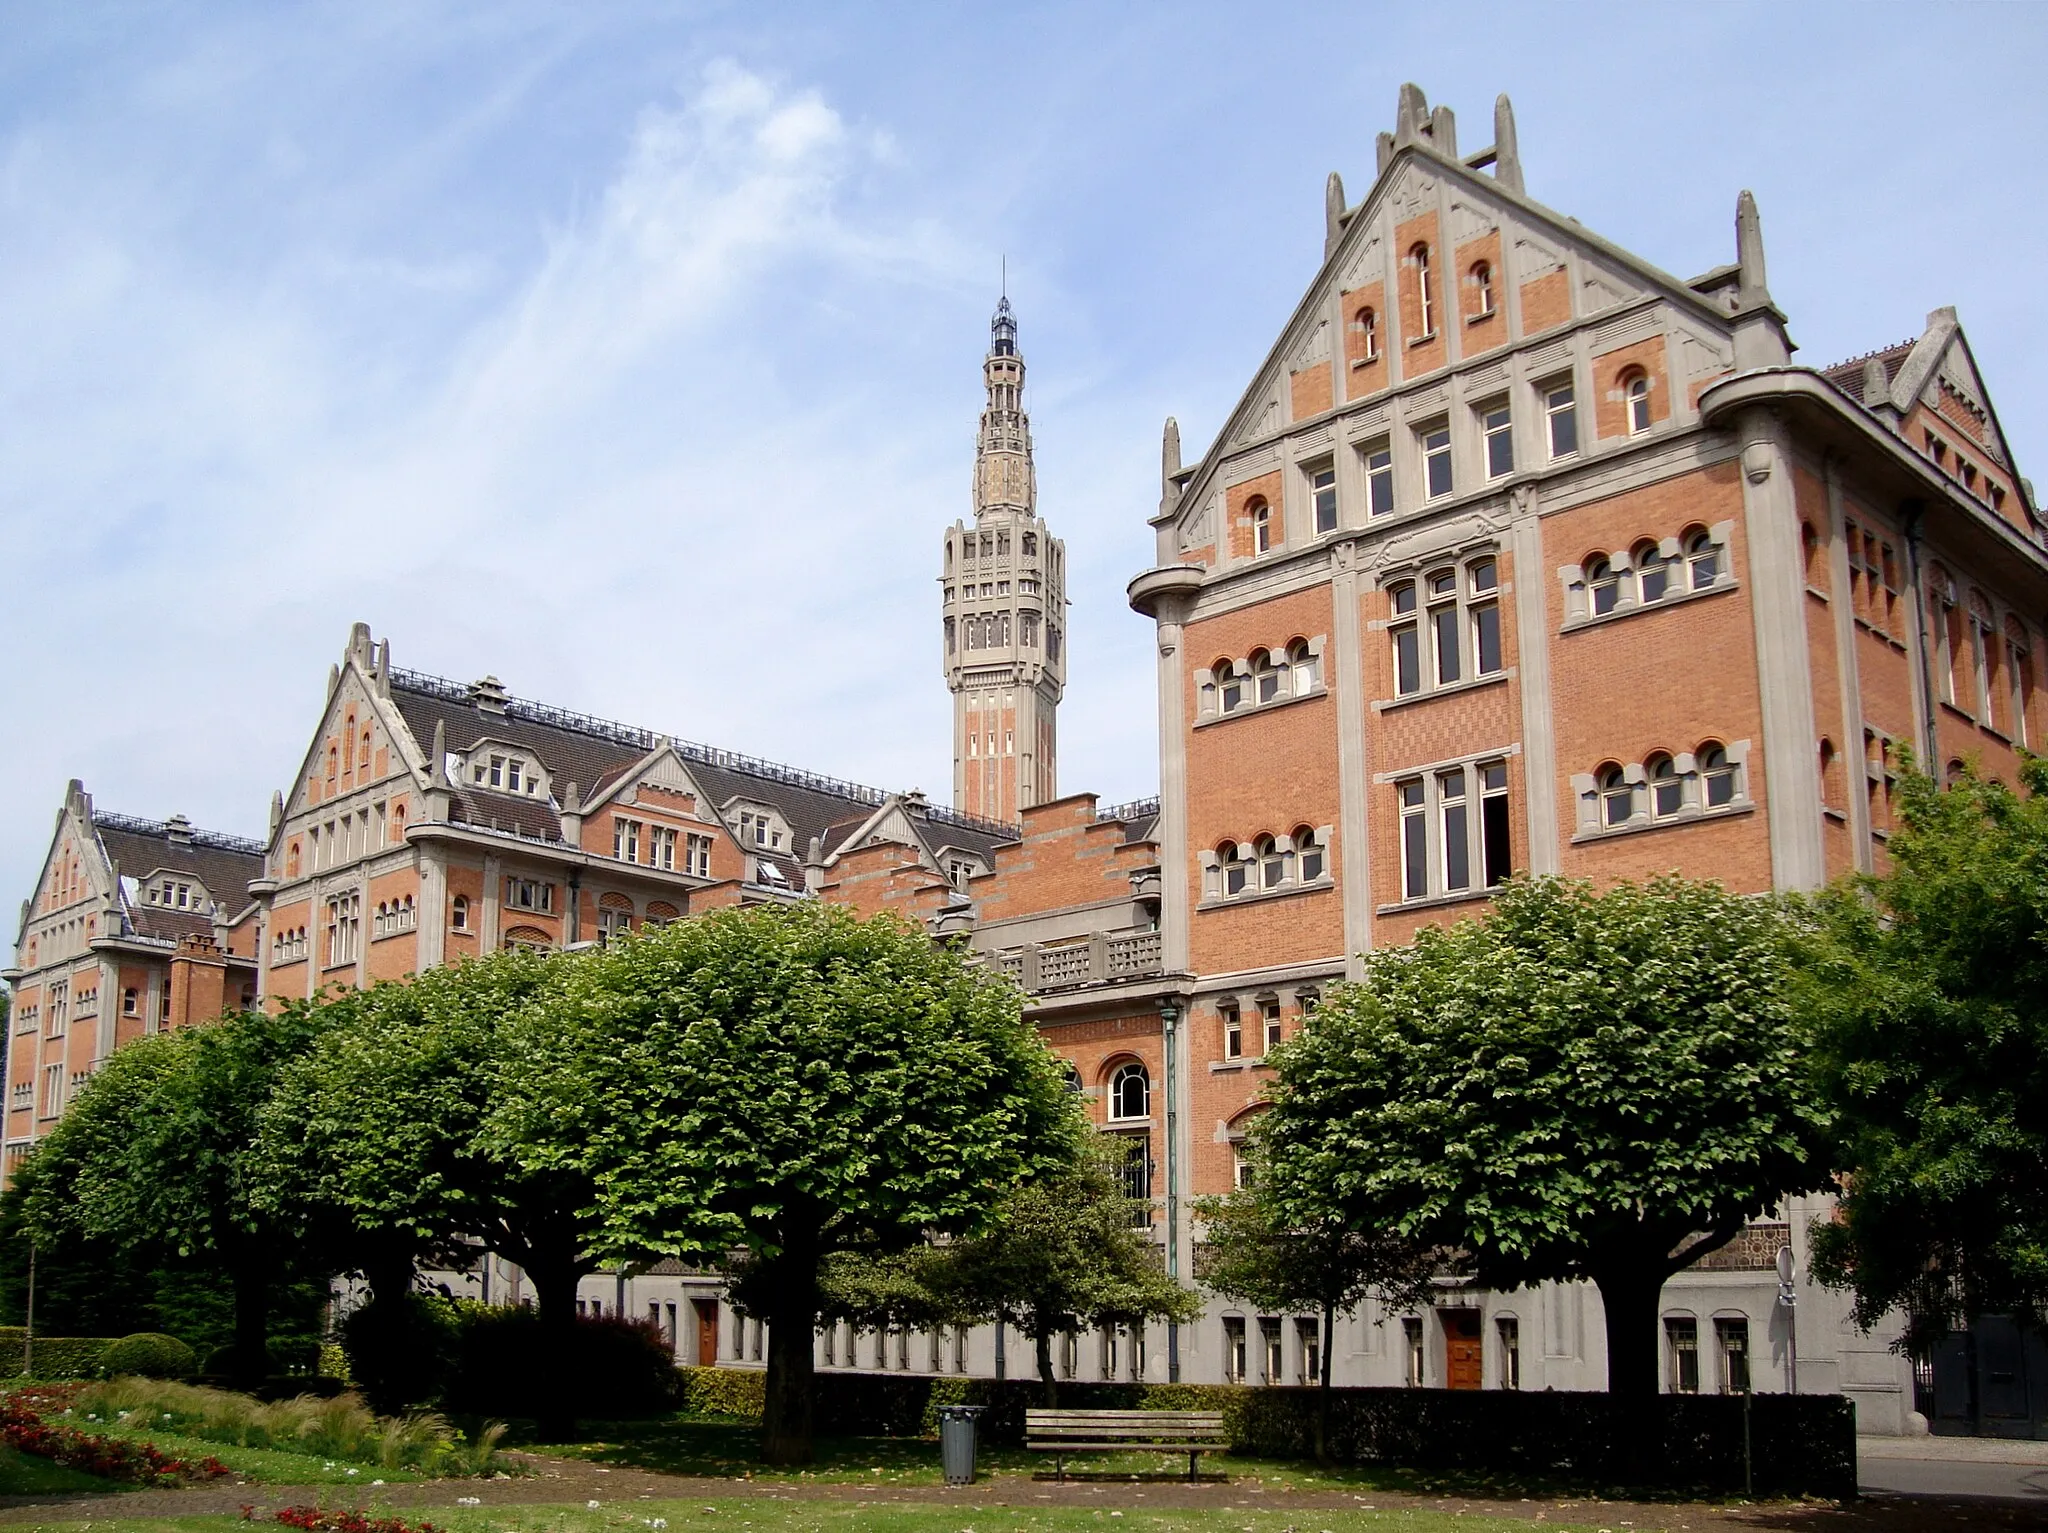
x=288, y=945
x=510, y=774
x=1649, y=573
x=1982, y=672
x=1454, y=830
x=1445, y=627
x=1265, y=677
x=1664, y=787
x=393, y=917
x=175, y=894
x=994, y=545
x=1265, y=863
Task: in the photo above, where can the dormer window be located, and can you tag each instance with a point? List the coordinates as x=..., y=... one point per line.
x=505, y=771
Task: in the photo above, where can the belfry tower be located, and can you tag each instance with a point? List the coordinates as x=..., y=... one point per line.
x=1005, y=609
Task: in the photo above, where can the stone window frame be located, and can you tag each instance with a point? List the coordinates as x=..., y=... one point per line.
x=1468, y=600
x=1311, y=471
x=1587, y=794
x=1626, y=563
x=1213, y=865
x=1430, y=775
x=1208, y=688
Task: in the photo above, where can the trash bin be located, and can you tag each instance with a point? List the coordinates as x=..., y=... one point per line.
x=956, y=1441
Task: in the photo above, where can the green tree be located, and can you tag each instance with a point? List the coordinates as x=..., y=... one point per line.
x=156, y=1156
x=1931, y=987
x=386, y=1126
x=1060, y=1253
x=1581, y=1085
x=1250, y=1252
x=788, y=1081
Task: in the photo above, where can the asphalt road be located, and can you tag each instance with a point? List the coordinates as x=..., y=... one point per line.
x=1951, y=1475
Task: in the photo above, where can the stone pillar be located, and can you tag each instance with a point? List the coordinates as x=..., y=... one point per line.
x=1531, y=596
x=1344, y=670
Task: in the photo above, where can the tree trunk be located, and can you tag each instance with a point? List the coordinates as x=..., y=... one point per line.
x=791, y=1286
x=554, y=1292
x=251, y=1350
x=1323, y=1395
x=1042, y=1341
x=1629, y=1295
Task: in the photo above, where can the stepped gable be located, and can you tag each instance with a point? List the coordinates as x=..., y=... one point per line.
x=224, y=864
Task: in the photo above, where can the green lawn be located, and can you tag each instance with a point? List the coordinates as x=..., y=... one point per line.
x=727, y=1448
x=264, y=1466
x=871, y=1517
x=22, y=1474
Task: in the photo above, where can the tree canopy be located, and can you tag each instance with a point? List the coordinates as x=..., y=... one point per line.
x=1931, y=990
x=789, y=1081
x=1581, y=1085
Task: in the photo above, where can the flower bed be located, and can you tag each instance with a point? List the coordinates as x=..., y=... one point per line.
x=320, y=1519
x=23, y=1428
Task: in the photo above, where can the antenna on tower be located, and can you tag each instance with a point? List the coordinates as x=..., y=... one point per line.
x=1006, y=274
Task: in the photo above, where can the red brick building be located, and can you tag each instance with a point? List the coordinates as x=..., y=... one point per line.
x=1517, y=553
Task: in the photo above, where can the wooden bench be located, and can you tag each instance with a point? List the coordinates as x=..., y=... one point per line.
x=1062, y=1432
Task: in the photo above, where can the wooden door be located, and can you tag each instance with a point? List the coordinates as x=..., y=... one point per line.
x=707, y=1332
x=1463, y=1360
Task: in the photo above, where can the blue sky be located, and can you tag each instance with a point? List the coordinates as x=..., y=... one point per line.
x=631, y=351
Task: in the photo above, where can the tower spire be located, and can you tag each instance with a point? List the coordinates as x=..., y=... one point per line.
x=1005, y=605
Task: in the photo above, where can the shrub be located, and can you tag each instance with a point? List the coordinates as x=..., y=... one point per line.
x=616, y=1367
x=150, y=1355
x=402, y=1354
x=56, y=1357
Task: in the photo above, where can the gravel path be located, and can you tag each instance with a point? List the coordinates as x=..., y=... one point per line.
x=574, y=1483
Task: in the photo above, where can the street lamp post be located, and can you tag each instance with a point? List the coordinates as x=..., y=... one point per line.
x=1788, y=1300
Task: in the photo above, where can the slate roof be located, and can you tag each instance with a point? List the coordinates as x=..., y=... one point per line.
x=224, y=864
x=1848, y=376
x=593, y=753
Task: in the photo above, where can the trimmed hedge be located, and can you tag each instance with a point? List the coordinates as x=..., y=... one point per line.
x=1799, y=1444
x=56, y=1357
x=151, y=1355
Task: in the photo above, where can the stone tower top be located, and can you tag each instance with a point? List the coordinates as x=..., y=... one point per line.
x=1004, y=479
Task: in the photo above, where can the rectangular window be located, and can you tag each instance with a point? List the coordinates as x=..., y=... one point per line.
x=661, y=848
x=1411, y=1333
x=1561, y=413
x=1414, y=842
x=1379, y=480
x=1731, y=1340
x=1436, y=460
x=1496, y=426
x=1407, y=660
x=1510, y=1351
x=1233, y=1033
x=1495, y=861
x=1457, y=841
x=53, y=1090
x=1322, y=493
x=129, y=1002
x=1486, y=640
x=1310, y=1347
x=1269, y=1018
x=1233, y=1348
x=626, y=840
x=1443, y=627
x=1275, y=1350
x=1682, y=1345
x=497, y=771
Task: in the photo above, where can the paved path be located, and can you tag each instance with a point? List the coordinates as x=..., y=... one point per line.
x=1976, y=1468
x=573, y=1483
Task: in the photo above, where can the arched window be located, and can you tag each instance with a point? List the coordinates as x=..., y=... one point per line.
x=1617, y=796
x=1304, y=669
x=1482, y=288
x=458, y=914
x=1956, y=773
x=1419, y=257
x=1264, y=533
x=1603, y=580
x=1275, y=860
x=2019, y=672
x=1367, y=324
x=1702, y=560
x=1828, y=796
x=1236, y=869
x=1130, y=1093
x=1720, y=777
x=530, y=939
x=660, y=913
x=1269, y=677
x=1667, y=788
x=1636, y=394
x=1233, y=687
x=1653, y=572
x=1311, y=858
x=333, y=763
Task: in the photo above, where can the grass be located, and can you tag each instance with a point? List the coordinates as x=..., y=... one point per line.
x=262, y=1466
x=23, y=1474
x=872, y=1517
x=727, y=1448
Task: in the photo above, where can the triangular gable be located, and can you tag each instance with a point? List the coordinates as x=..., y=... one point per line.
x=889, y=825
x=1947, y=366
x=662, y=768
x=1610, y=276
x=356, y=686
x=72, y=835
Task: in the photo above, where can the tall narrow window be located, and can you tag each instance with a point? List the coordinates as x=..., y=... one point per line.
x=1269, y=1022
x=1509, y=1330
x=1304, y=669
x=1407, y=642
x=1457, y=844
x=1436, y=460
x=1369, y=335
x=1414, y=841
x=1561, y=416
x=1424, y=307
x=1682, y=1343
x=1233, y=1031
x=1485, y=617
x=1322, y=491
x=1379, y=480
x=1443, y=625
x=1482, y=289
x=1495, y=857
x=1638, y=400
x=1731, y=1340
x=1497, y=427
x=1411, y=1335
x=1263, y=534
x=2019, y=670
